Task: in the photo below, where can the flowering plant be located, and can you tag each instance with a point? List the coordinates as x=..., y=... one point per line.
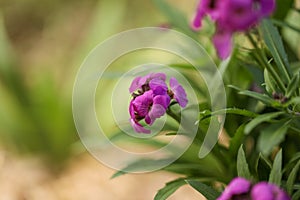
x=258, y=153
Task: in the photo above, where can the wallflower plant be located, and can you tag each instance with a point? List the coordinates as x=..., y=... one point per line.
x=258, y=157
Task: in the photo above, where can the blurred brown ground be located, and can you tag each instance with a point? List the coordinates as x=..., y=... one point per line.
x=84, y=178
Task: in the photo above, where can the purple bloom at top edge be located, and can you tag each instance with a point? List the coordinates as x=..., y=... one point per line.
x=238, y=186
x=267, y=191
x=231, y=16
x=179, y=92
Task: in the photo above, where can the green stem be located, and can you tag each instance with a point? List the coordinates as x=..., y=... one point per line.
x=173, y=115
x=263, y=61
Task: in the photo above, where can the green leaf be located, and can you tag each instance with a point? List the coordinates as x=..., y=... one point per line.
x=293, y=85
x=263, y=168
x=260, y=119
x=276, y=174
x=190, y=169
x=272, y=136
x=283, y=9
x=285, y=24
x=242, y=165
x=291, y=179
x=208, y=192
x=169, y=189
x=205, y=114
x=236, y=141
x=141, y=165
x=275, y=45
x=294, y=101
x=175, y=17
x=261, y=97
x=270, y=82
x=296, y=195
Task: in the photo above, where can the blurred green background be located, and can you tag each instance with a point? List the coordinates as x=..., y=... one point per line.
x=42, y=44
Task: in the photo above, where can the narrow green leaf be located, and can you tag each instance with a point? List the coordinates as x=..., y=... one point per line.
x=272, y=136
x=285, y=24
x=292, y=177
x=293, y=86
x=208, y=192
x=274, y=43
x=141, y=166
x=294, y=101
x=285, y=7
x=260, y=119
x=276, y=174
x=236, y=141
x=296, y=195
x=242, y=165
x=263, y=168
x=260, y=97
x=169, y=189
x=235, y=111
x=191, y=169
x=270, y=82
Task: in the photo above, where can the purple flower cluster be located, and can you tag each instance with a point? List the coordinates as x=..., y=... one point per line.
x=152, y=97
x=240, y=188
x=231, y=16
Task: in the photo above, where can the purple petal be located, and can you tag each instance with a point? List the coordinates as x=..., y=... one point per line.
x=158, y=86
x=135, y=84
x=238, y=15
x=179, y=92
x=267, y=191
x=223, y=43
x=267, y=7
x=279, y=193
x=138, y=127
x=161, y=76
x=142, y=103
x=131, y=110
x=163, y=100
x=144, y=79
x=263, y=191
x=237, y=186
x=205, y=7
x=197, y=22
x=158, y=109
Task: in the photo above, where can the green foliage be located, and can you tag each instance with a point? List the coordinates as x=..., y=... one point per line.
x=292, y=177
x=272, y=136
x=169, y=189
x=263, y=111
x=38, y=118
x=276, y=174
x=242, y=165
x=208, y=192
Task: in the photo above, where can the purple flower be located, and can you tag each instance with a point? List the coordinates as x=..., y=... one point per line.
x=149, y=107
x=178, y=92
x=237, y=187
x=151, y=99
x=240, y=188
x=267, y=191
x=231, y=16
